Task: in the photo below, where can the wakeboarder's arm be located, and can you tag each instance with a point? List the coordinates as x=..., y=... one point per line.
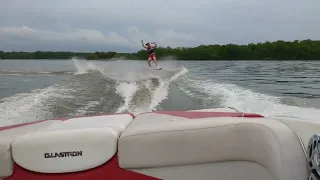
x=155, y=46
x=144, y=46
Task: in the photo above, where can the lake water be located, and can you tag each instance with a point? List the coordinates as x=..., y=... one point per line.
x=32, y=90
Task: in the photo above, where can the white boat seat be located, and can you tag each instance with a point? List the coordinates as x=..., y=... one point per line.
x=87, y=142
x=223, y=148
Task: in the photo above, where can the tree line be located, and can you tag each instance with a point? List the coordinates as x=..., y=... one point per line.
x=277, y=50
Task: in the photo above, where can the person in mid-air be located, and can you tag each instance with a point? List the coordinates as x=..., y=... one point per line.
x=152, y=56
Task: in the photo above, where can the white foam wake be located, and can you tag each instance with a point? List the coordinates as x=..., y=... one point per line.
x=126, y=90
x=248, y=101
x=158, y=94
x=161, y=92
x=269, y=106
x=83, y=110
x=28, y=107
x=83, y=66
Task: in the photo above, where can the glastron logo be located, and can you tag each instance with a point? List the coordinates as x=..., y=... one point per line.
x=62, y=154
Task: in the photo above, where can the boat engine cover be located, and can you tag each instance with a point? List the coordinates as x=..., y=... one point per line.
x=65, y=151
x=72, y=145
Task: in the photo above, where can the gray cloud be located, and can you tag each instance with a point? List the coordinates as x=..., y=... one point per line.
x=79, y=25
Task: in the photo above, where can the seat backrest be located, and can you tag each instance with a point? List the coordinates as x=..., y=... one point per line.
x=213, y=140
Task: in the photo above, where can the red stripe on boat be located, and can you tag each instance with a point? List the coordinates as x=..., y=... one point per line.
x=109, y=170
x=74, y=117
x=197, y=114
x=19, y=125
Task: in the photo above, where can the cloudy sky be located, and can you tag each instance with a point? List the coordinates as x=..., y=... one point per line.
x=103, y=25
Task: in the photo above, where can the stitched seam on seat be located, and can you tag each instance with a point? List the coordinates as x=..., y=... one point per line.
x=299, y=138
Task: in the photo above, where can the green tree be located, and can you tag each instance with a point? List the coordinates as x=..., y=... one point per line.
x=277, y=50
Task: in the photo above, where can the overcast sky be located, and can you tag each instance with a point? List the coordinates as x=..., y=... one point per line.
x=103, y=25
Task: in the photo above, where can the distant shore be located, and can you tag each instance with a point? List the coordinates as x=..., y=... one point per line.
x=278, y=50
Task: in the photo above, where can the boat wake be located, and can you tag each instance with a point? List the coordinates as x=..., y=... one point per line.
x=83, y=67
x=114, y=86
x=146, y=91
x=216, y=94
x=91, y=89
x=32, y=73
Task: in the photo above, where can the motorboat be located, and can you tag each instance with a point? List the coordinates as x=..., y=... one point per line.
x=220, y=144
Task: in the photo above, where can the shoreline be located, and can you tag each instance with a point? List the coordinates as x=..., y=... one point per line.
x=269, y=51
x=296, y=60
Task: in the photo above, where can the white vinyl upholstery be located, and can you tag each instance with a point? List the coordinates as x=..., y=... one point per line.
x=6, y=138
x=72, y=145
x=182, y=143
x=163, y=146
x=66, y=150
x=33, y=147
x=304, y=129
x=118, y=122
x=231, y=170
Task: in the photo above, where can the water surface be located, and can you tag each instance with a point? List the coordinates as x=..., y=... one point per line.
x=32, y=90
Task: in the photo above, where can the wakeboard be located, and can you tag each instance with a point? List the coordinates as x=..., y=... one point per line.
x=155, y=69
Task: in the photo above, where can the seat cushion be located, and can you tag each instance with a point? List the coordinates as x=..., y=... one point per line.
x=185, y=141
x=72, y=145
x=62, y=133
x=61, y=151
x=8, y=134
